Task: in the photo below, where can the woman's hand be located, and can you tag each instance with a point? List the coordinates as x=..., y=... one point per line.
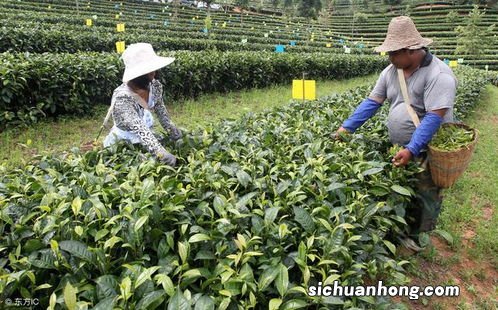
x=175, y=133
x=166, y=158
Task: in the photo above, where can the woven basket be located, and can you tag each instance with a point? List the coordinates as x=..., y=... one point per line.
x=447, y=166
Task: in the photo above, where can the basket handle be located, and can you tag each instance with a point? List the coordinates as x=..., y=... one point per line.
x=404, y=91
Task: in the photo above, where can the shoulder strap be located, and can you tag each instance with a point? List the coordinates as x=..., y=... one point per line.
x=404, y=91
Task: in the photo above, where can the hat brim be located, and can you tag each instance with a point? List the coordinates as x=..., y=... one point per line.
x=150, y=66
x=391, y=46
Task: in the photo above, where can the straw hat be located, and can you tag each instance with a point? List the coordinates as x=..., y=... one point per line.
x=402, y=33
x=140, y=59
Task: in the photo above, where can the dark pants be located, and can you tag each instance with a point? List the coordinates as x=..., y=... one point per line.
x=427, y=202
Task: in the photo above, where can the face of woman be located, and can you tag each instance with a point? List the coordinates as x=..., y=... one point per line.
x=151, y=75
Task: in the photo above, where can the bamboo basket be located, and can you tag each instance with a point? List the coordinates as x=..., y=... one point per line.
x=447, y=166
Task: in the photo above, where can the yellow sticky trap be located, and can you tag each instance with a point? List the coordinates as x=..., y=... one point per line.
x=120, y=27
x=88, y=22
x=224, y=25
x=117, y=16
x=328, y=45
x=120, y=46
x=304, y=89
x=453, y=64
x=382, y=53
x=312, y=39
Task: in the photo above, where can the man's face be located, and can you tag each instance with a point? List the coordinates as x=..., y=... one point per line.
x=401, y=59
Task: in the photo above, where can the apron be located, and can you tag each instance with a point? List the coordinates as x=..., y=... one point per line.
x=117, y=134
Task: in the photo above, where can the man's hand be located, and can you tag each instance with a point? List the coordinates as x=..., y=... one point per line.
x=340, y=132
x=402, y=158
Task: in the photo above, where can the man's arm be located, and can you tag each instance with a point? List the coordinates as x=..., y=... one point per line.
x=368, y=107
x=363, y=112
x=421, y=137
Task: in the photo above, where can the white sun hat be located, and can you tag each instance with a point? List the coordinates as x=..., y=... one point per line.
x=140, y=59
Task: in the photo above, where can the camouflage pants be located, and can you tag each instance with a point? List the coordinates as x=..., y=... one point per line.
x=427, y=202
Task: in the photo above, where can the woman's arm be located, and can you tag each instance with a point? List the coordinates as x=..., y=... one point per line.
x=162, y=112
x=127, y=118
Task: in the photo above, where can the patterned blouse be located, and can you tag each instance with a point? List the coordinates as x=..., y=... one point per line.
x=128, y=115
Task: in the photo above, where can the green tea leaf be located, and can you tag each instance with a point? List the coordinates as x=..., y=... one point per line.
x=76, y=205
x=112, y=241
x=372, y=171
x=199, y=238
x=145, y=275
x=303, y=217
x=283, y=186
x=243, y=178
x=294, y=304
x=267, y=277
x=53, y=301
x=78, y=230
x=178, y=301
x=192, y=273
x=151, y=301
x=390, y=246
x=334, y=186
x=141, y=221
x=204, y=303
x=182, y=251
x=125, y=288
x=282, y=280
x=77, y=249
x=107, y=286
x=271, y=214
x=166, y=283
x=274, y=304
x=70, y=296
x=105, y=304
x=401, y=190
x=224, y=304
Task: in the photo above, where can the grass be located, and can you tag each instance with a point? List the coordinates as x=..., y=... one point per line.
x=20, y=144
x=212, y=108
x=469, y=207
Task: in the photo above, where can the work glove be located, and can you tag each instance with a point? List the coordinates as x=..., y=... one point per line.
x=175, y=133
x=166, y=158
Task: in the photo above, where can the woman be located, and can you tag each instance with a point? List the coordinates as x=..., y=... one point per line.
x=135, y=99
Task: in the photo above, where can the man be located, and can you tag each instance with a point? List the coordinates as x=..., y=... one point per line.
x=432, y=89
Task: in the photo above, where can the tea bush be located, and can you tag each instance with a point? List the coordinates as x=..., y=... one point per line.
x=258, y=209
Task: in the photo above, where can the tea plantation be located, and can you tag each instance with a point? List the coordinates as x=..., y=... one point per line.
x=257, y=209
